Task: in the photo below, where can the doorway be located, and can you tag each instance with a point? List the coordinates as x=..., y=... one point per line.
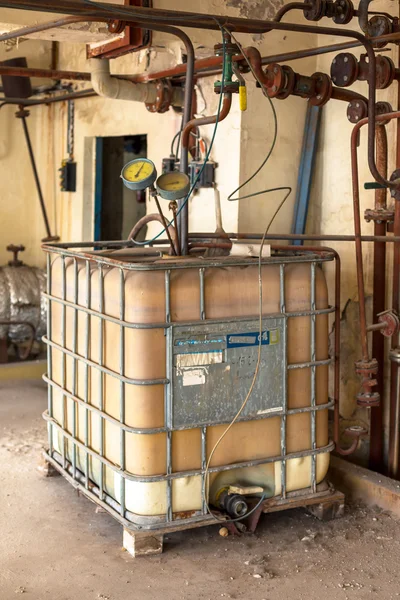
x=116, y=208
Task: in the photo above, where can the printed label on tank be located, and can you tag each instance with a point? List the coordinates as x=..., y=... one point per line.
x=213, y=367
x=242, y=340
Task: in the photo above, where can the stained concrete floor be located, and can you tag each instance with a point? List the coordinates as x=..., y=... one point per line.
x=53, y=544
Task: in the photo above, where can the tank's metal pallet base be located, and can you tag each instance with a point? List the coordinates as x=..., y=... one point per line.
x=326, y=504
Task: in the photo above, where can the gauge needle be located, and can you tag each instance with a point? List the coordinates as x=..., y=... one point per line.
x=138, y=173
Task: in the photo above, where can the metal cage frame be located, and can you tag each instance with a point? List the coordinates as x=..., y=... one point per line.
x=69, y=469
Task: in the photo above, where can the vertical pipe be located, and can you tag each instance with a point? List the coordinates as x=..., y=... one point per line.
x=35, y=172
x=394, y=422
x=379, y=295
x=394, y=428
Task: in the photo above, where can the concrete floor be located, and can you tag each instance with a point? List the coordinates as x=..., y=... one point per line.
x=53, y=544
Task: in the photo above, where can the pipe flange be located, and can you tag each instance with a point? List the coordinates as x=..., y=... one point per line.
x=379, y=215
x=315, y=12
x=391, y=321
x=357, y=110
x=355, y=431
x=290, y=80
x=323, y=89
x=379, y=25
x=382, y=108
x=116, y=26
x=275, y=76
x=385, y=72
x=367, y=368
x=344, y=69
x=163, y=99
x=231, y=49
x=395, y=192
x=370, y=400
x=344, y=12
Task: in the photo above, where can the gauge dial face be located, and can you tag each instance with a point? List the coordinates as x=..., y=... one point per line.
x=173, y=186
x=139, y=174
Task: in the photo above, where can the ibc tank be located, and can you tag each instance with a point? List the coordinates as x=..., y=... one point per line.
x=150, y=358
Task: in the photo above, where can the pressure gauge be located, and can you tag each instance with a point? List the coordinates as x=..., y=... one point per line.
x=139, y=174
x=173, y=186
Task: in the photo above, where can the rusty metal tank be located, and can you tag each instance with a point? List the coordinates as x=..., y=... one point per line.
x=149, y=360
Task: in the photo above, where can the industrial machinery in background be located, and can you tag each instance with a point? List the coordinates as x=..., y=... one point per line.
x=187, y=387
x=23, y=309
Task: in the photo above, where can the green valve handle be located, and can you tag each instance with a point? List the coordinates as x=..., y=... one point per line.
x=374, y=185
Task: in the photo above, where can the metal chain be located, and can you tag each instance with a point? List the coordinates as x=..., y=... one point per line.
x=71, y=130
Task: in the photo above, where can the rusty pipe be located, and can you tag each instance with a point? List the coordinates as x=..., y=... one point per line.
x=291, y=6
x=379, y=301
x=312, y=237
x=346, y=95
x=358, y=244
x=226, y=107
x=50, y=73
x=24, y=31
x=357, y=222
x=184, y=221
x=159, y=17
x=148, y=219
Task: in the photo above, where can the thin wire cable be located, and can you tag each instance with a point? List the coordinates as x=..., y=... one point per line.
x=258, y=364
x=256, y=372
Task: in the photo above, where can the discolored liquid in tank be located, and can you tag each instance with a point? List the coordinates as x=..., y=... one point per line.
x=231, y=292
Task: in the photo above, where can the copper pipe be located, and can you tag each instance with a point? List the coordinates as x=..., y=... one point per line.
x=346, y=95
x=226, y=107
x=184, y=221
x=149, y=17
x=291, y=6
x=379, y=302
x=357, y=223
x=50, y=73
x=173, y=246
x=147, y=219
x=394, y=422
x=24, y=31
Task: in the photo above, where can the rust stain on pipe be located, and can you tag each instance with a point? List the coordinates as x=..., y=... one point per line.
x=379, y=301
x=24, y=31
x=50, y=73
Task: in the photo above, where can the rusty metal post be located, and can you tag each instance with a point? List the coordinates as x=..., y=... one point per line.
x=379, y=296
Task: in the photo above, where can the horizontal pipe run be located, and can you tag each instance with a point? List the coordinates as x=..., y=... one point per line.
x=294, y=236
x=50, y=73
x=50, y=100
x=24, y=31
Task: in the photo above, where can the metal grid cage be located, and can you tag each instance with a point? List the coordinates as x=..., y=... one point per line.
x=93, y=255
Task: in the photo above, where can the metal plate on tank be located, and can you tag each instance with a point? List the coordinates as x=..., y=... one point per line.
x=213, y=368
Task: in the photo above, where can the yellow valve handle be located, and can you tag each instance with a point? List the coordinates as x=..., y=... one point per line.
x=243, y=97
